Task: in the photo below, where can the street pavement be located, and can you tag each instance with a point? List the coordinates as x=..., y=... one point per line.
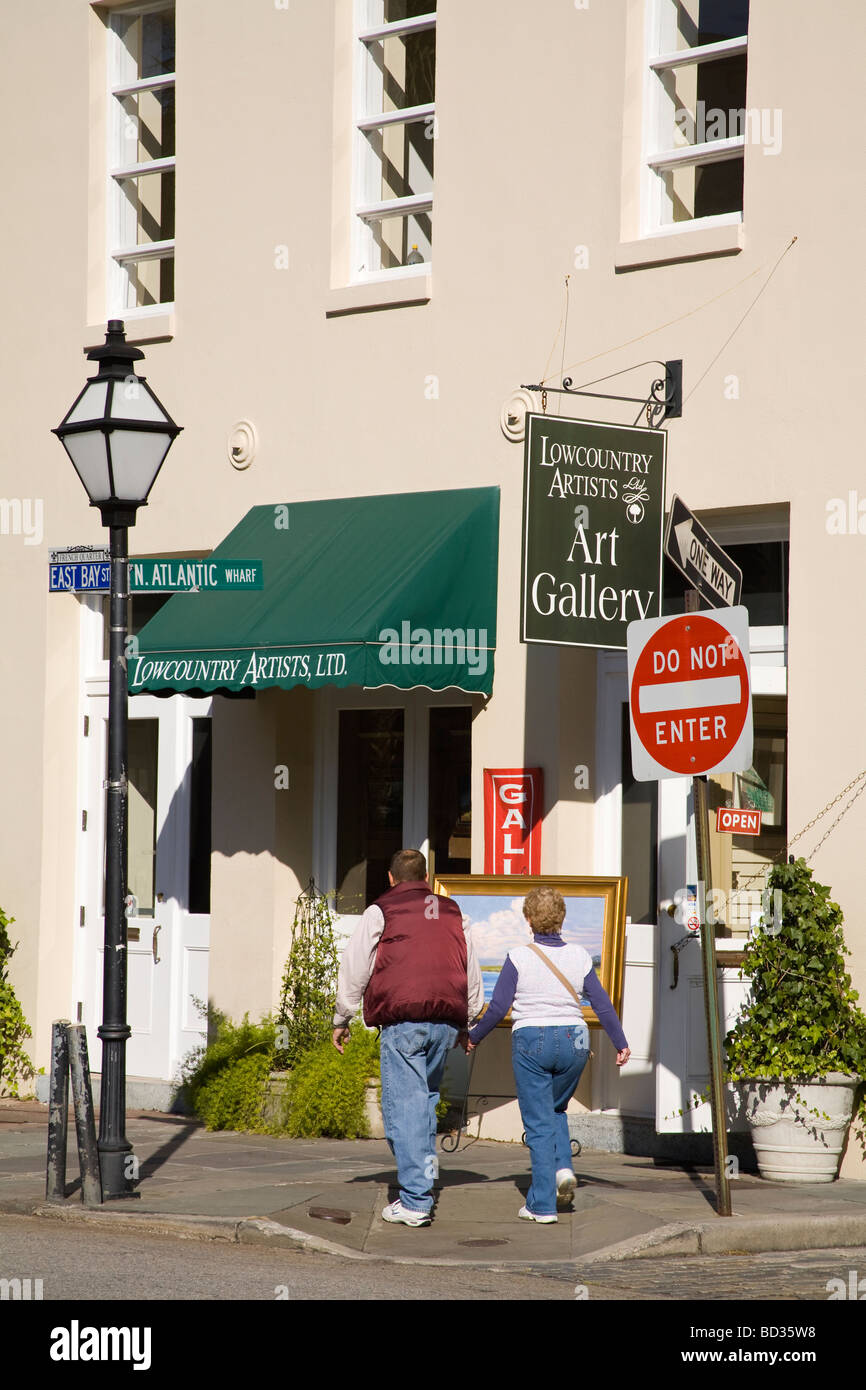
x=327, y=1195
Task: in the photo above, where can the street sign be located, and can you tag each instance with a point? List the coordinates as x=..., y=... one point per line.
x=79, y=577
x=702, y=560
x=738, y=820
x=93, y=574
x=79, y=554
x=690, y=700
x=593, y=515
x=179, y=576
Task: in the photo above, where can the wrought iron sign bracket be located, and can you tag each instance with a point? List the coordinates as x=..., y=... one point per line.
x=664, y=401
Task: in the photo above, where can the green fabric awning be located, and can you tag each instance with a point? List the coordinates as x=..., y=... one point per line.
x=394, y=590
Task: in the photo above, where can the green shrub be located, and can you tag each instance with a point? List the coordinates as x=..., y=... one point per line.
x=325, y=1092
x=224, y=1081
x=233, y=1097
x=15, y=1065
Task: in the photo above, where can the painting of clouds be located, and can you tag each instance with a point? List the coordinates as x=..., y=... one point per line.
x=497, y=924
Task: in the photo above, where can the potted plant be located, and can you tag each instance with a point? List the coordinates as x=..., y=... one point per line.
x=798, y=1050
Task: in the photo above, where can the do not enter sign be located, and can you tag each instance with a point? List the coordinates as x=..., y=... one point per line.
x=689, y=694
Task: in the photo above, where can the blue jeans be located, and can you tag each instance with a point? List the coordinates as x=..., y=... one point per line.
x=547, y=1067
x=413, y=1057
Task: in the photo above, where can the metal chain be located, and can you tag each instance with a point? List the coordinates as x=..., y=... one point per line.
x=814, y=821
x=828, y=807
x=844, y=811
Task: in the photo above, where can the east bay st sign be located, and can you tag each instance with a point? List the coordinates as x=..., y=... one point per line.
x=593, y=511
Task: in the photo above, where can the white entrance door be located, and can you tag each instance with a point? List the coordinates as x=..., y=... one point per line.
x=169, y=925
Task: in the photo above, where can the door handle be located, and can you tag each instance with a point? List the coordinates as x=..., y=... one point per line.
x=156, y=959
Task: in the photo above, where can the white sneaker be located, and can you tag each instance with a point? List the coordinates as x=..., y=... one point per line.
x=396, y=1212
x=526, y=1215
x=566, y=1185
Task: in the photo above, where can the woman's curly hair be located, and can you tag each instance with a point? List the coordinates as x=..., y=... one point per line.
x=544, y=910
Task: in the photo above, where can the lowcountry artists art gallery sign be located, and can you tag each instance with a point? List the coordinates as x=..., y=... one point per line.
x=593, y=515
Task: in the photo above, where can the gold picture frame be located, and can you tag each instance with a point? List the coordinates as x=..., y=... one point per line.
x=595, y=919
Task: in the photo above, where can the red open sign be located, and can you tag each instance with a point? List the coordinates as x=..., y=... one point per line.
x=738, y=821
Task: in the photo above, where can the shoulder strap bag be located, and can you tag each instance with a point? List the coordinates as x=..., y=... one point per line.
x=559, y=975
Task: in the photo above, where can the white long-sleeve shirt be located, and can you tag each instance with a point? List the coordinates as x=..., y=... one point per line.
x=359, y=958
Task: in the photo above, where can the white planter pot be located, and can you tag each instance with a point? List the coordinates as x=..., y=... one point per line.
x=793, y=1141
x=374, y=1111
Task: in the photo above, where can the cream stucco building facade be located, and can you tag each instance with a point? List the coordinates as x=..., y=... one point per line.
x=217, y=174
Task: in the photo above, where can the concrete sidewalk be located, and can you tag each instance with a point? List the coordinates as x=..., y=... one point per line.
x=328, y=1194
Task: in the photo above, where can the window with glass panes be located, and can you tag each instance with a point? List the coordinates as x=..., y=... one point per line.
x=141, y=195
x=697, y=117
x=395, y=135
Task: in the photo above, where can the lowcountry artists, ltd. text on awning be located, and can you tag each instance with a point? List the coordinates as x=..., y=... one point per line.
x=237, y=671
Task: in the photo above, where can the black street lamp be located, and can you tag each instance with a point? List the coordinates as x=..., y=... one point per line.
x=117, y=435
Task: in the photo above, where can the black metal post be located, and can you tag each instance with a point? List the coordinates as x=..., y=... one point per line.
x=58, y=1113
x=114, y=1030
x=711, y=998
x=85, y=1129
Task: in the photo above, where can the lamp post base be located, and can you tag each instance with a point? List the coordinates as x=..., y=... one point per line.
x=118, y=1164
x=115, y=1165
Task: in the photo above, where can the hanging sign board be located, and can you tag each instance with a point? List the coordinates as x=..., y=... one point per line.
x=737, y=820
x=690, y=703
x=513, y=799
x=593, y=512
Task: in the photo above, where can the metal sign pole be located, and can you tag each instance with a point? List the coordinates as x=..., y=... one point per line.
x=711, y=996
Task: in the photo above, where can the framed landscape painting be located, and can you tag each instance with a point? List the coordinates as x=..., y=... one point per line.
x=492, y=905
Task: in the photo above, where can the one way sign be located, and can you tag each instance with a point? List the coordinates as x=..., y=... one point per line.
x=701, y=559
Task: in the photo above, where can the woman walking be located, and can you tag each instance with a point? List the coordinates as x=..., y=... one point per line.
x=541, y=984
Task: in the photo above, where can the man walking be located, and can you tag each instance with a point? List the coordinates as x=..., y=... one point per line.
x=415, y=967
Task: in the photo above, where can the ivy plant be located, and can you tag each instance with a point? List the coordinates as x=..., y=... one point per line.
x=15, y=1065
x=802, y=1019
x=309, y=985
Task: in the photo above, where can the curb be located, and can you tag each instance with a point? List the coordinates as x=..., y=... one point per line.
x=738, y=1235
x=728, y=1236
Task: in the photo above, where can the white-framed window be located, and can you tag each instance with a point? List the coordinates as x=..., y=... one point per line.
x=695, y=118
x=394, y=136
x=141, y=158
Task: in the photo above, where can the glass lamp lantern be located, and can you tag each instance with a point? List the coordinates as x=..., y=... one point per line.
x=117, y=433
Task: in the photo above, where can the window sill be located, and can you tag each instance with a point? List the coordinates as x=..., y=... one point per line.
x=379, y=294
x=140, y=328
x=667, y=249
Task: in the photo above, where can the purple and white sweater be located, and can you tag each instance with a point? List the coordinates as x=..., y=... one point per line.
x=537, y=998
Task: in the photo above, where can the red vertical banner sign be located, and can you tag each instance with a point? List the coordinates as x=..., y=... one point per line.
x=513, y=807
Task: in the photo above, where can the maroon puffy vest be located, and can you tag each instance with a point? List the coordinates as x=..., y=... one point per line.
x=420, y=970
